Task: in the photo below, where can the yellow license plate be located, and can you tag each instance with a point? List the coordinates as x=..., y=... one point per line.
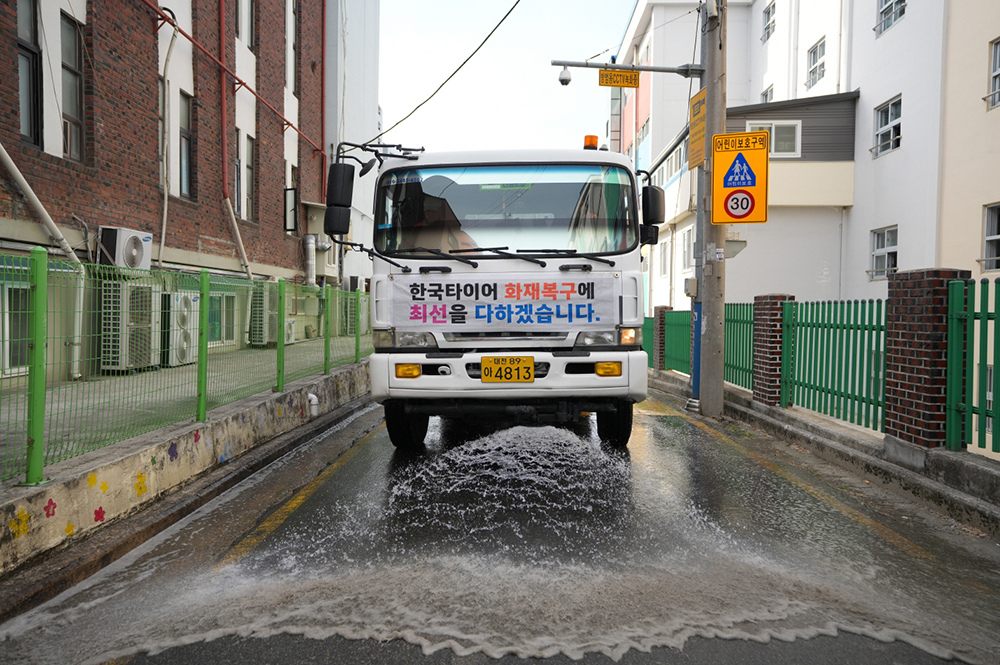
x=508, y=369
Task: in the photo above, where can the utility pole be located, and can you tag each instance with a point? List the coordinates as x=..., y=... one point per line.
x=712, y=286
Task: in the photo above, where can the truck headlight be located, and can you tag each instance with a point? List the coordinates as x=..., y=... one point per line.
x=388, y=339
x=602, y=338
x=622, y=337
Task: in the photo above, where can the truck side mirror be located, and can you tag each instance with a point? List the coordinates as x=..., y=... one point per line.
x=337, y=220
x=653, y=206
x=339, y=194
x=340, y=185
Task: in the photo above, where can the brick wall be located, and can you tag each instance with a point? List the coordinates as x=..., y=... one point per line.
x=658, y=333
x=916, y=344
x=767, y=339
x=118, y=184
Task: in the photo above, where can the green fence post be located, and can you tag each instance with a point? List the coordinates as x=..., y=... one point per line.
x=327, y=323
x=281, y=336
x=787, y=355
x=38, y=308
x=204, y=286
x=953, y=371
x=357, y=326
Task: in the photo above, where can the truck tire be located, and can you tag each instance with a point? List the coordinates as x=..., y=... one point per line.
x=406, y=430
x=615, y=427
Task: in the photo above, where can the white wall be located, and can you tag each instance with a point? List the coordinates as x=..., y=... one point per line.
x=901, y=187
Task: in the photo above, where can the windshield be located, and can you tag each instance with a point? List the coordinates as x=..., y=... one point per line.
x=537, y=207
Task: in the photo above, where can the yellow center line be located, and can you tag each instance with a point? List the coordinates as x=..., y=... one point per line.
x=887, y=534
x=268, y=526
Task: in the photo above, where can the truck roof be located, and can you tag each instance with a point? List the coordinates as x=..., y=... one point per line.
x=533, y=156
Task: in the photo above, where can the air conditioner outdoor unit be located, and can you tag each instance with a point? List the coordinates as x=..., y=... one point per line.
x=179, y=340
x=263, y=315
x=289, y=331
x=130, y=326
x=124, y=248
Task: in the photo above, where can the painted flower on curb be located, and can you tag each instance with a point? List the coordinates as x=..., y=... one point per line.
x=20, y=524
x=140, y=485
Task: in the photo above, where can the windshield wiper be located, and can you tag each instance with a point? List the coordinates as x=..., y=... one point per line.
x=562, y=252
x=501, y=251
x=437, y=252
x=358, y=247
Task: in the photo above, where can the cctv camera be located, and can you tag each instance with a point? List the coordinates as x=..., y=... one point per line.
x=564, y=76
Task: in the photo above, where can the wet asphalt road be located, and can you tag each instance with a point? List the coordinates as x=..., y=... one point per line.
x=706, y=543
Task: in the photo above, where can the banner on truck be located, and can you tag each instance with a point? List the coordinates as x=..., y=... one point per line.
x=519, y=302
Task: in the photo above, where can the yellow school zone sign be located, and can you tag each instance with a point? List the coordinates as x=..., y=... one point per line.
x=739, y=177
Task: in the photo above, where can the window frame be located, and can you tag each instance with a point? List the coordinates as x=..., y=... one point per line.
x=816, y=63
x=251, y=149
x=892, y=11
x=687, y=250
x=225, y=305
x=892, y=128
x=993, y=99
x=28, y=49
x=768, y=20
x=767, y=95
x=72, y=150
x=991, y=213
x=185, y=151
x=6, y=340
x=876, y=273
x=768, y=126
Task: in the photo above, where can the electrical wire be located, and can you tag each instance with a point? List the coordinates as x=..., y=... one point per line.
x=417, y=107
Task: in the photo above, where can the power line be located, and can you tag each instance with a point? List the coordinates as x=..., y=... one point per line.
x=417, y=107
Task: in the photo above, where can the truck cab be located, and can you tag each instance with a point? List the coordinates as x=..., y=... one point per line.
x=507, y=284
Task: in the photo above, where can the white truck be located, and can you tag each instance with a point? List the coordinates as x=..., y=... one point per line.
x=505, y=284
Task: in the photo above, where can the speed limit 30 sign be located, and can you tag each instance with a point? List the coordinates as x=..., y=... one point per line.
x=739, y=177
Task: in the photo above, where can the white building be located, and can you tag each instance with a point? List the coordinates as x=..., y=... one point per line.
x=927, y=196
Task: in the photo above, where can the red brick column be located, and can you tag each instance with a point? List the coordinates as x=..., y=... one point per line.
x=658, y=328
x=916, y=345
x=767, y=347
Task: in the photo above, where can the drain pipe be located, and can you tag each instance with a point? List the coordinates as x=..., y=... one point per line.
x=53, y=230
x=166, y=139
x=309, y=240
x=239, y=238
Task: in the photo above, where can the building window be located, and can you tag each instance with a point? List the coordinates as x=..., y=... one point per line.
x=248, y=160
x=185, y=147
x=13, y=329
x=889, y=13
x=888, y=126
x=72, y=89
x=295, y=47
x=221, y=319
x=767, y=95
x=687, y=247
x=816, y=61
x=994, y=97
x=768, y=22
x=251, y=15
x=786, y=137
x=29, y=71
x=991, y=244
x=883, y=253
x=664, y=252
x=238, y=198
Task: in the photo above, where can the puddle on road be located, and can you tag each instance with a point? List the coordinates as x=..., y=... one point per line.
x=527, y=541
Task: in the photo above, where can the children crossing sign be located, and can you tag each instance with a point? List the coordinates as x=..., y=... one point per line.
x=739, y=178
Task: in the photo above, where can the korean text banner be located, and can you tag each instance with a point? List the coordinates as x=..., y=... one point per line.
x=517, y=302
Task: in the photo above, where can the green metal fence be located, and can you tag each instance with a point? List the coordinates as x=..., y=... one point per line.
x=833, y=359
x=738, y=355
x=972, y=355
x=677, y=341
x=649, y=340
x=92, y=354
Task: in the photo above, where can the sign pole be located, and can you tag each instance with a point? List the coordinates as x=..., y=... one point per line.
x=712, y=286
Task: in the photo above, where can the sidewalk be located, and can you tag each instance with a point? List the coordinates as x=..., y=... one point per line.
x=964, y=485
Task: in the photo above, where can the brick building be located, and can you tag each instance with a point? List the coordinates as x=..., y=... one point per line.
x=103, y=106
